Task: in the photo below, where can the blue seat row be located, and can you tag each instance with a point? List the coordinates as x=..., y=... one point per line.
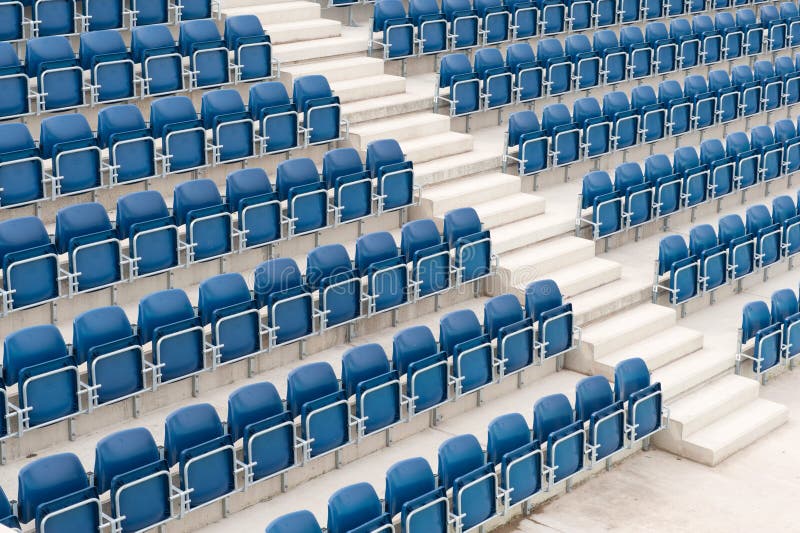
x=148, y=238
x=69, y=17
x=663, y=188
x=774, y=332
x=649, y=116
x=428, y=28
x=737, y=249
x=518, y=463
x=105, y=70
x=284, y=307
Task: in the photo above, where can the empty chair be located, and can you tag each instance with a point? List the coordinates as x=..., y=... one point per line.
x=55, y=492
x=129, y=465
x=464, y=470
x=143, y=219
x=393, y=174
x=768, y=235
x=84, y=232
x=251, y=46
x=464, y=23
x=298, y=183
x=13, y=22
x=509, y=444
x=397, y=31
x=248, y=192
x=225, y=304
x=638, y=194
x=77, y=164
x=354, y=506
x=416, y=354
x=557, y=65
x=457, y=76
x=624, y=120
x=131, y=147
x=196, y=442
x=786, y=71
x=640, y=53
x=504, y=321
x=524, y=19
x=22, y=178
x=790, y=14
x=605, y=12
x=209, y=64
x=712, y=256
x=98, y=16
x=632, y=385
x=721, y=167
x=55, y=18
x=711, y=40
x=686, y=164
x=431, y=26
x=257, y=416
x=279, y=287
x=785, y=313
x=555, y=424
x=753, y=31
x=58, y=74
x=431, y=265
x=595, y=404
x=606, y=203
x=411, y=492
x=320, y=110
x=689, y=44
x=596, y=128
x=168, y=321
x=757, y=324
x=588, y=63
x=14, y=83
x=784, y=213
x=313, y=394
x=233, y=131
x=183, y=138
x=564, y=134
x=497, y=81
x=665, y=49
x=198, y=205
x=679, y=107
x=732, y=35
x=162, y=64
x=762, y=140
x=195, y=9
x=330, y=271
x=104, y=54
x=366, y=375
x=462, y=338
x=532, y=143
x=270, y=106
x=750, y=91
x=615, y=57
x=556, y=332
x=31, y=273
x=379, y=260
x=741, y=245
x=344, y=173
x=464, y=234
x=683, y=269
x=297, y=521
x=652, y=115
x=496, y=20
x=737, y=146
x=529, y=75
x=771, y=84
x=668, y=186
x=8, y=517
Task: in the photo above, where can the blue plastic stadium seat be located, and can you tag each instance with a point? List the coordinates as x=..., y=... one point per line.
x=640, y=54
x=554, y=423
x=198, y=205
x=13, y=83
x=393, y=175
x=430, y=258
x=411, y=492
x=721, y=167
x=607, y=204
x=771, y=162
x=713, y=257
x=750, y=90
x=504, y=321
x=143, y=219
x=719, y=84
x=669, y=186
x=298, y=183
x=183, y=139
x=461, y=337
x=462, y=83
x=343, y=172
x=379, y=260
x=280, y=288
x=162, y=65
x=686, y=164
x=256, y=415
x=532, y=143
x=200, y=41
x=54, y=17
x=106, y=56
x=151, y=11
x=131, y=148
x=557, y=65
x=625, y=120
x=464, y=470
x=632, y=385
x=36, y=358
x=352, y=507
x=269, y=104
x=679, y=107
x=431, y=26
x=195, y=440
x=195, y=9
x=29, y=261
x=497, y=81
x=496, y=20
x=330, y=271
x=652, y=115
x=771, y=84
x=84, y=232
x=7, y=516
x=416, y=354
x=21, y=169
x=753, y=31
x=397, y=30
x=298, y=521
x=595, y=127
x=248, y=192
x=732, y=35
x=13, y=22
x=605, y=12
x=689, y=44
x=758, y=222
x=565, y=136
x=129, y=465
x=76, y=157
x=791, y=15
x=711, y=40
x=683, y=269
x=784, y=213
x=594, y=403
x=509, y=444
x=52, y=63
x=757, y=324
x=55, y=492
x=226, y=305
x=233, y=131
x=529, y=76
x=464, y=23
x=555, y=322
x=320, y=109
x=785, y=312
x=638, y=194
x=464, y=234
x=245, y=36
x=588, y=63
x=665, y=49
x=741, y=245
x=615, y=57
x=313, y=393
x=167, y=320
x=106, y=15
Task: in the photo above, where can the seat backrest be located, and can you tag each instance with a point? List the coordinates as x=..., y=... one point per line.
x=506, y=433
x=190, y=426
x=79, y=220
x=374, y=247
x=193, y=32
x=21, y=233
x=555, y=115
x=604, y=39
x=458, y=456
x=763, y=69
x=702, y=238
x=643, y=95
x=170, y=110
x=61, y=129
x=218, y=103
x=551, y=413
x=325, y=261
x=453, y=65
x=730, y=227
x=768, y=14
x=501, y=311
x=386, y=10
x=412, y=344
x=217, y=292
x=418, y=235
x=614, y=102
x=741, y=74
x=118, y=119
x=95, y=43
x=275, y=275
x=381, y=153
x=460, y=223
x=340, y=162
x=540, y=296
x=520, y=123
x=294, y=522
x=584, y=109
x=122, y=452
x=151, y=37
x=241, y=26
x=595, y=183
x=783, y=208
x=307, y=383
x=627, y=175
x=655, y=31
x=31, y=346
x=755, y=316
x=192, y=195
x=295, y=173
x=42, y=50
x=406, y=480
x=788, y=10
x=592, y=394
x=724, y=20
x=784, y=304
x=736, y=143
x=630, y=375
x=630, y=35
x=577, y=44
x=15, y=137
x=657, y=166
x=457, y=327
x=309, y=87
x=549, y=48
x=671, y=249
x=266, y=94
x=8, y=56
x=702, y=24
x=418, y=8
x=47, y=479
x=487, y=58
x=669, y=90
x=784, y=130
x=160, y=309
x=711, y=150
x=361, y=363
x=97, y=327
x=685, y=158
x=138, y=207
x=761, y=137
x=783, y=65
x=680, y=28
x=718, y=79
x=518, y=54
x=246, y=183
x=250, y=404
x=745, y=17
x=353, y=506
x=757, y=217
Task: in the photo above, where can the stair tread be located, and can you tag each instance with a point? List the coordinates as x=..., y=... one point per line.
x=713, y=396
x=547, y=250
x=342, y=63
x=404, y=121
x=693, y=370
x=627, y=321
x=467, y=185
x=740, y=423
x=652, y=346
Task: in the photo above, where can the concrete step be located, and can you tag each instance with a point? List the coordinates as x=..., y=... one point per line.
x=528, y=231
x=457, y=166
x=586, y=276
x=427, y=148
x=550, y=256
x=305, y=30
x=608, y=299
x=391, y=105
x=406, y=127
x=625, y=328
x=337, y=70
x=233, y=4
x=657, y=350
x=319, y=48
x=691, y=371
x=439, y=199
x=298, y=11
x=369, y=87
x=509, y=209
x=725, y=437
